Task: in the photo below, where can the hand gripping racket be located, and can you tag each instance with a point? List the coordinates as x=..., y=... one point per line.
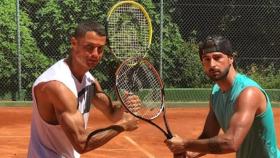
x=129, y=30
x=142, y=79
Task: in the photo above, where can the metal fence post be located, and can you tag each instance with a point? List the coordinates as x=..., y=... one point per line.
x=161, y=37
x=18, y=49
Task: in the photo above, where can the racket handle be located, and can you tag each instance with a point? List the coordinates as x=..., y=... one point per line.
x=180, y=155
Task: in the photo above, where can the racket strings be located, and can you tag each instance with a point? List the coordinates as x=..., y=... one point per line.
x=140, y=80
x=128, y=31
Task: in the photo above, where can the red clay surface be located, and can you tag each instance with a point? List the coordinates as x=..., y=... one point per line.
x=145, y=142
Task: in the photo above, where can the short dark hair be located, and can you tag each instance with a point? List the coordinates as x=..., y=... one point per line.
x=89, y=25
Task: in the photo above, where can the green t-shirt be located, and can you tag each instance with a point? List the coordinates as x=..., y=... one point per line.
x=260, y=141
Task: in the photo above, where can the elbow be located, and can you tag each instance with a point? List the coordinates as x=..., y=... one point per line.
x=223, y=144
x=228, y=144
x=232, y=146
x=84, y=146
x=80, y=148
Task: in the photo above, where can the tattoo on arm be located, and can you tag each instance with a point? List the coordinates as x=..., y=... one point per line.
x=101, y=136
x=108, y=129
x=214, y=146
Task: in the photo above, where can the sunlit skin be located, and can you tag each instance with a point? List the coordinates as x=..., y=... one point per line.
x=57, y=105
x=219, y=68
x=216, y=65
x=251, y=102
x=86, y=53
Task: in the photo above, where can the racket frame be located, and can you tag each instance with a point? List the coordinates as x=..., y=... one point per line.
x=145, y=13
x=162, y=111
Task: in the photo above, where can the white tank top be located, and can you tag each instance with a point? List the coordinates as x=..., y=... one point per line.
x=50, y=141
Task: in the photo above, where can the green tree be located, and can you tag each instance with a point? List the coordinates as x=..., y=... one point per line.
x=181, y=64
x=32, y=60
x=54, y=22
x=250, y=25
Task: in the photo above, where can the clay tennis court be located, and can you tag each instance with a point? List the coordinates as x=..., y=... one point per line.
x=145, y=142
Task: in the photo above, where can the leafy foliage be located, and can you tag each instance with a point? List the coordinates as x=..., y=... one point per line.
x=46, y=28
x=32, y=61
x=267, y=77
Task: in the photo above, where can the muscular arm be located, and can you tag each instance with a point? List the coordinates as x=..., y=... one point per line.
x=211, y=125
x=104, y=104
x=250, y=102
x=71, y=120
x=211, y=129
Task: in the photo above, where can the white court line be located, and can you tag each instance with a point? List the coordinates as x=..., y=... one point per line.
x=139, y=147
x=149, y=155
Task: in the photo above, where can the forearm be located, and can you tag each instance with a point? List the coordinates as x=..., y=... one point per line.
x=100, y=137
x=214, y=145
x=116, y=112
x=112, y=111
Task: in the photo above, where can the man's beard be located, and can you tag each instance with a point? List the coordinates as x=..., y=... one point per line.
x=221, y=76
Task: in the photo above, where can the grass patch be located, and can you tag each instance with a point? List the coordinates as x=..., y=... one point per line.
x=15, y=103
x=167, y=104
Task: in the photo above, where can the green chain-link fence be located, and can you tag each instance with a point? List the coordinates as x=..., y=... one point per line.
x=36, y=34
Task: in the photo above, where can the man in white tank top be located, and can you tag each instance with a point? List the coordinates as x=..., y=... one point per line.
x=62, y=96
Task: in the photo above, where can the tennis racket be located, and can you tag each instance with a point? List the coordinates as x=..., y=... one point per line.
x=129, y=30
x=137, y=76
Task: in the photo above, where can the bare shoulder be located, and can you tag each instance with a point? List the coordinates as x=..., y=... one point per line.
x=253, y=93
x=53, y=97
x=47, y=90
x=53, y=86
x=252, y=98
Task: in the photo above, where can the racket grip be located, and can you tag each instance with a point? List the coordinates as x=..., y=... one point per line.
x=180, y=155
